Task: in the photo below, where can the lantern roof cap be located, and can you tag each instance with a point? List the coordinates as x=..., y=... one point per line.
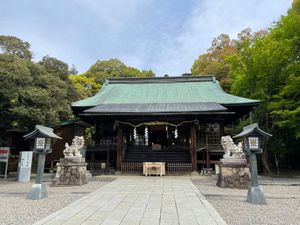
x=43, y=131
x=247, y=130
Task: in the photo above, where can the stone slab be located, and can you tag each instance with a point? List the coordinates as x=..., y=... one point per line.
x=140, y=200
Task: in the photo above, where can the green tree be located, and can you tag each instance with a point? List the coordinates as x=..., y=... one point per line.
x=213, y=62
x=14, y=46
x=85, y=86
x=285, y=103
x=102, y=70
x=89, y=83
x=32, y=93
x=266, y=67
x=285, y=107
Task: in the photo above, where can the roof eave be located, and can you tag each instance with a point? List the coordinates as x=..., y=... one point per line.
x=253, y=104
x=153, y=113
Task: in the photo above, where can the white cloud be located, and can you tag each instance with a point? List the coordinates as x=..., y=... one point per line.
x=165, y=36
x=208, y=19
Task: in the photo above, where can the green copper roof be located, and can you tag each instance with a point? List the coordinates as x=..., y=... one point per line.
x=163, y=90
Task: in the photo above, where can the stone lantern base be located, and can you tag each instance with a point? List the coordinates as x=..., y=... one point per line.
x=71, y=171
x=38, y=191
x=234, y=173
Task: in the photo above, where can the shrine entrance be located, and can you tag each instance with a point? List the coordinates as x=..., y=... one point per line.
x=156, y=137
x=157, y=141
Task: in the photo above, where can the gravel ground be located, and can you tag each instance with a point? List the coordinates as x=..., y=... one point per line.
x=16, y=209
x=282, y=195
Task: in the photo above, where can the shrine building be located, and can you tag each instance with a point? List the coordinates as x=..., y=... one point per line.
x=176, y=120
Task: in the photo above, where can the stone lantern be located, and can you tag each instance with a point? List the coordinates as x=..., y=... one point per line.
x=253, y=137
x=42, y=145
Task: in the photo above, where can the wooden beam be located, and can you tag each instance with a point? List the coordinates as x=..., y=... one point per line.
x=119, y=148
x=193, y=147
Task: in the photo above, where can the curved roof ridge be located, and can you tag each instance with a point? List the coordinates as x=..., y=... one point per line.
x=139, y=80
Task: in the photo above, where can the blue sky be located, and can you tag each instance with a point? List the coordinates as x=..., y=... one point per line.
x=165, y=36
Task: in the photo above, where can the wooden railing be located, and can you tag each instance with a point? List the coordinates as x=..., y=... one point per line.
x=171, y=168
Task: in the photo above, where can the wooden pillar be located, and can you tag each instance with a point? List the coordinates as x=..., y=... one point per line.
x=93, y=156
x=107, y=153
x=119, y=148
x=207, y=159
x=193, y=147
x=222, y=133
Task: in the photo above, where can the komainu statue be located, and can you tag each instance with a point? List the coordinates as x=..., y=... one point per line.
x=231, y=150
x=74, y=149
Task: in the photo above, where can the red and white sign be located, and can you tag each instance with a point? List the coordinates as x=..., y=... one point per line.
x=4, y=154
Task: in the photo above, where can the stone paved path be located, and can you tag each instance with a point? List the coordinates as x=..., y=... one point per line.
x=140, y=200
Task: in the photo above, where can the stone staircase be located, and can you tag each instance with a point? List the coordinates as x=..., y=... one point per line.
x=169, y=155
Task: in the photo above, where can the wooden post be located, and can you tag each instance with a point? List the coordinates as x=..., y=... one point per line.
x=107, y=154
x=119, y=148
x=221, y=122
x=193, y=147
x=93, y=156
x=207, y=154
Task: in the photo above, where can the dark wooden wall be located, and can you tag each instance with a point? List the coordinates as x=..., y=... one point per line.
x=67, y=133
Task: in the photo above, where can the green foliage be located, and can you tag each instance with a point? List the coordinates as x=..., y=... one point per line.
x=41, y=93
x=266, y=66
x=14, y=46
x=32, y=93
x=85, y=86
x=285, y=107
x=102, y=70
x=89, y=83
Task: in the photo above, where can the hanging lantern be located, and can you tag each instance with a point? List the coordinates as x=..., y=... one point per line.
x=176, y=133
x=134, y=134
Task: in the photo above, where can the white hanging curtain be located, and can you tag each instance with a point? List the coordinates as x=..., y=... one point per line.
x=146, y=136
x=176, y=133
x=134, y=134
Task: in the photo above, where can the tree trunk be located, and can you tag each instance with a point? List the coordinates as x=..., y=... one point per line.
x=265, y=161
x=277, y=163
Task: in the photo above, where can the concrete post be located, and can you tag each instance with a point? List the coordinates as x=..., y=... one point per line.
x=39, y=190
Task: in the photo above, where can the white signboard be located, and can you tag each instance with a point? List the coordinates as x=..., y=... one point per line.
x=4, y=156
x=24, y=170
x=26, y=159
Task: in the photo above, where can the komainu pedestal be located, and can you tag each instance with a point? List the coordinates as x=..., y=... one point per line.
x=234, y=175
x=234, y=170
x=71, y=170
